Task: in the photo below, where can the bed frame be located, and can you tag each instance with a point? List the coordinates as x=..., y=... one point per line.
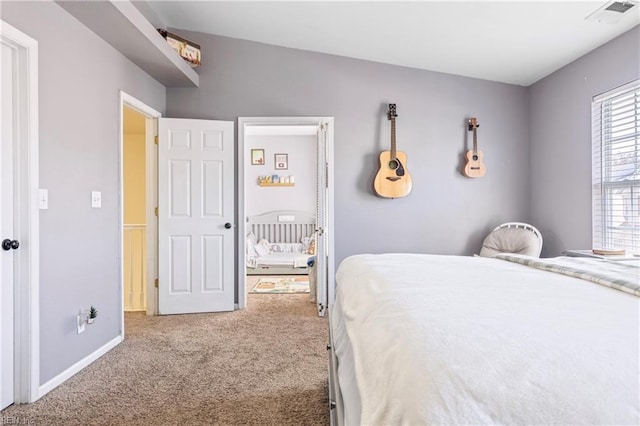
x=281, y=226
x=336, y=405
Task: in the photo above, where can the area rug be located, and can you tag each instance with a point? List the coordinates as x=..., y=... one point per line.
x=296, y=284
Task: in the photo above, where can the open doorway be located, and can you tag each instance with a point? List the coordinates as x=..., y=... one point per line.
x=134, y=185
x=285, y=182
x=138, y=199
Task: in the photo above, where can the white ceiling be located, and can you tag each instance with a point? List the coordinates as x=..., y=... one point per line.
x=516, y=42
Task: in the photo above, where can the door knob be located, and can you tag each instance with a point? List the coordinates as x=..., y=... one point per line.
x=8, y=244
x=227, y=225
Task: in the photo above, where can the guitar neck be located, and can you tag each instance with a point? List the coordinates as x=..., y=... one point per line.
x=393, y=138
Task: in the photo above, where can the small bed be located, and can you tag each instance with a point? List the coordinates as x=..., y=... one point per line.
x=279, y=242
x=434, y=339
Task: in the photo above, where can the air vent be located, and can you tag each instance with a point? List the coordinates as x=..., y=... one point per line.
x=619, y=7
x=613, y=11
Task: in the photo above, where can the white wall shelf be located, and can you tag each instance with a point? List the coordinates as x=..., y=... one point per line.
x=125, y=28
x=275, y=184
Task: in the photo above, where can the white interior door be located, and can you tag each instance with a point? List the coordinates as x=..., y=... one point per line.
x=7, y=230
x=196, y=187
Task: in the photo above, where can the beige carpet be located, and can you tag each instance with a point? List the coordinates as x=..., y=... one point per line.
x=265, y=365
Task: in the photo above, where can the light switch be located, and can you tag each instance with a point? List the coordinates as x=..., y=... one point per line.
x=96, y=199
x=43, y=199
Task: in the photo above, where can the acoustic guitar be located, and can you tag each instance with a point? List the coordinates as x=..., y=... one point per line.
x=474, y=167
x=392, y=179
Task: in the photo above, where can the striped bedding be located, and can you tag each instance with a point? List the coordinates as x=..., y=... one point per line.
x=622, y=275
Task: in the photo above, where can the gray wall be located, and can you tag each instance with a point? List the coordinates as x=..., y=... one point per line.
x=79, y=77
x=445, y=212
x=302, y=156
x=560, y=107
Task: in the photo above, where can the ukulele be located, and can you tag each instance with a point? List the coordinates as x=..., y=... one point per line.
x=474, y=167
x=392, y=179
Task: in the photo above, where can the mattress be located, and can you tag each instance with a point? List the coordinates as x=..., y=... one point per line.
x=426, y=339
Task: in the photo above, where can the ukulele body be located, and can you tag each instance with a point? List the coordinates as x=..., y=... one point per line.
x=392, y=179
x=474, y=167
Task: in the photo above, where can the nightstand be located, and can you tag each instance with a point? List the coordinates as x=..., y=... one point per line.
x=589, y=253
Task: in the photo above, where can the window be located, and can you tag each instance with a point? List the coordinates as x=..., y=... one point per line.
x=616, y=169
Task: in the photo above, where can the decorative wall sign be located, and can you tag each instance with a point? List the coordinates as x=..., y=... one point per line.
x=257, y=157
x=281, y=161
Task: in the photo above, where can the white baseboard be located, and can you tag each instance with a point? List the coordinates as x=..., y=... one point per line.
x=75, y=368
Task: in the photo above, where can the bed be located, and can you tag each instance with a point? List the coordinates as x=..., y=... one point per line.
x=279, y=242
x=434, y=339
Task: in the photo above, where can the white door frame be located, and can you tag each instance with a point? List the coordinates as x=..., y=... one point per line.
x=151, y=163
x=244, y=122
x=26, y=279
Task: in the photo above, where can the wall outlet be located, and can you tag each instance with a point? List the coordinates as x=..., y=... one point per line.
x=81, y=319
x=43, y=199
x=96, y=199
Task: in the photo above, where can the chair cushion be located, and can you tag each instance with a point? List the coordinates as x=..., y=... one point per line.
x=511, y=240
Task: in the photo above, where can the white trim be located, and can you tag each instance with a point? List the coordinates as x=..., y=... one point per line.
x=78, y=366
x=138, y=105
x=615, y=91
x=245, y=122
x=27, y=298
x=151, y=195
x=151, y=153
x=330, y=218
x=242, y=218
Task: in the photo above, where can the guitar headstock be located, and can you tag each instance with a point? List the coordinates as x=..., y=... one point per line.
x=473, y=123
x=391, y=113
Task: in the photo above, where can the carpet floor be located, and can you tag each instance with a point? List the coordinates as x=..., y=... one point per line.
x=264, y=365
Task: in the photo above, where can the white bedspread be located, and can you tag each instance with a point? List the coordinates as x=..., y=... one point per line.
x=472, y=340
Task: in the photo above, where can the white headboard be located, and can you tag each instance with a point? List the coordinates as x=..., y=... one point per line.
x=282, y=226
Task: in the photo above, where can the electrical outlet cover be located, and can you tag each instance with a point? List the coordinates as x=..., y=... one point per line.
x=80, y=323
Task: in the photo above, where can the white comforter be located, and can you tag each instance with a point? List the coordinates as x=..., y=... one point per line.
x=425, y=339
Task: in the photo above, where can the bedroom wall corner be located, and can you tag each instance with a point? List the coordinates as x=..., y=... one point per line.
x=560, y=133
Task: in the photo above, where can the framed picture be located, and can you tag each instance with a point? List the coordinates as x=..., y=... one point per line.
x=257, y=157
x=281, y=161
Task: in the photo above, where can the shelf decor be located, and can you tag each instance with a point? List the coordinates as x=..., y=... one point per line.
x=188, y=50
x=275, y=184
x=275, y=180
x=281, y=161
x=257, y=157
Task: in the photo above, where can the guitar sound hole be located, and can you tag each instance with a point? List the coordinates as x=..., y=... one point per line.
x=393, y=164
x=475, y=158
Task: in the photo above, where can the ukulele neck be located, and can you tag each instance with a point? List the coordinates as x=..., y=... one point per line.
x=475, y=141
x=473, y=126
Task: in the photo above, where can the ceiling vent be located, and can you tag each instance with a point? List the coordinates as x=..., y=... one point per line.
x=613, y=11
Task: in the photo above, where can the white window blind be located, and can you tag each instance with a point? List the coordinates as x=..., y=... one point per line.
x=616, y=169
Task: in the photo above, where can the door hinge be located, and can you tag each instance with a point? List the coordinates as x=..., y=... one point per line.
x=155, y=283
x=155, y=139
x=155, y=211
